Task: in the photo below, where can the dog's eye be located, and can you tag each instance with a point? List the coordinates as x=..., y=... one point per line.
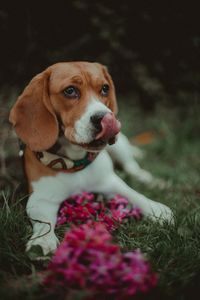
x=71, y=92
x=105, y=89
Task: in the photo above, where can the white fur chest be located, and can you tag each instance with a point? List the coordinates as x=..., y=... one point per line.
x=59, y=187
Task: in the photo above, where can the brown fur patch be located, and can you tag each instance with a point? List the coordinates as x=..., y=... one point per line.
x=34, y=168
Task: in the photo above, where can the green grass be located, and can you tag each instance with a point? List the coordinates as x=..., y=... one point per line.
x=174, y=251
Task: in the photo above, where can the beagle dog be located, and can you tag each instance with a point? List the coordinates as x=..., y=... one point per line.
x=66, y=118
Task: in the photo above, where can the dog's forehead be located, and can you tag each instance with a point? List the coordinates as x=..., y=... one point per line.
x=82, y=70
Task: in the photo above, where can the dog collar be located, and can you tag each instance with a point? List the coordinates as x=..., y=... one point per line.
x=58, y=162
x=63, y=163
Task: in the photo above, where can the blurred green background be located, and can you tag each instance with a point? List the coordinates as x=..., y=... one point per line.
x=150, y=47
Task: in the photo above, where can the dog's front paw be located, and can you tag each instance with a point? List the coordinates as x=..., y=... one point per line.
x=48, y=244
x=159, y=212
x=138, y=153
x=160, y=183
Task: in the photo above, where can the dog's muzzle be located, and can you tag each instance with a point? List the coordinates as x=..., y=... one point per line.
x=107, y=127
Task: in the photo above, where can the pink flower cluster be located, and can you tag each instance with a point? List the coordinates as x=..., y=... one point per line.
x=83, y=207
x=88, y=260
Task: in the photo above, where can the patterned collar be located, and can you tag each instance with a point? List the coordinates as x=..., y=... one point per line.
x=63, y=163
x=60, y=162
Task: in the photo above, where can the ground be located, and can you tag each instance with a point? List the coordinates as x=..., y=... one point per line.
x=171, y=145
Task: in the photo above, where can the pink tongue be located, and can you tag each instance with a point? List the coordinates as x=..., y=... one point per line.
x=110, y=127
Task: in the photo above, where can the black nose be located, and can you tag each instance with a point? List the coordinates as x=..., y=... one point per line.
x=96, y=120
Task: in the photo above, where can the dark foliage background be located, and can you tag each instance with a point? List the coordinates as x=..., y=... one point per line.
x=137, y=40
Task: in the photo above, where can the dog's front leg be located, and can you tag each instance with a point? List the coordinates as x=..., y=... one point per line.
x=154, y=210
x=43, y=214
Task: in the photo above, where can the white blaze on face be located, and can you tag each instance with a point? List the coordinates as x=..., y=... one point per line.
x=84, y=130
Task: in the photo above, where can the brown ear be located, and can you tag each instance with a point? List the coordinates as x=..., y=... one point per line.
x=33, y=117
x=112, y=97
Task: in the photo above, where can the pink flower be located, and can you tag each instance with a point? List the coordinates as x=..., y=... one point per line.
x=84, y=207
x=87, y=259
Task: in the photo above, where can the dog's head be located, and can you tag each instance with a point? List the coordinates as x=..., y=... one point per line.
x=77, y=96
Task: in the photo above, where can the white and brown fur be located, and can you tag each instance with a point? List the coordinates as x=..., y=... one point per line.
x=36, y=117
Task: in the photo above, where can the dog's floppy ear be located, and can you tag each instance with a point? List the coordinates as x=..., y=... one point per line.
x=112, y=96
x=33, y=117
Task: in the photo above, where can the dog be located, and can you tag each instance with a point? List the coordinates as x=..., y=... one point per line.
x=66, y=118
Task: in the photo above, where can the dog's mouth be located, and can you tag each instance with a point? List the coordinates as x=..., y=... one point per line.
x=104, y=134
x=107, y=131
x=99, y=144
